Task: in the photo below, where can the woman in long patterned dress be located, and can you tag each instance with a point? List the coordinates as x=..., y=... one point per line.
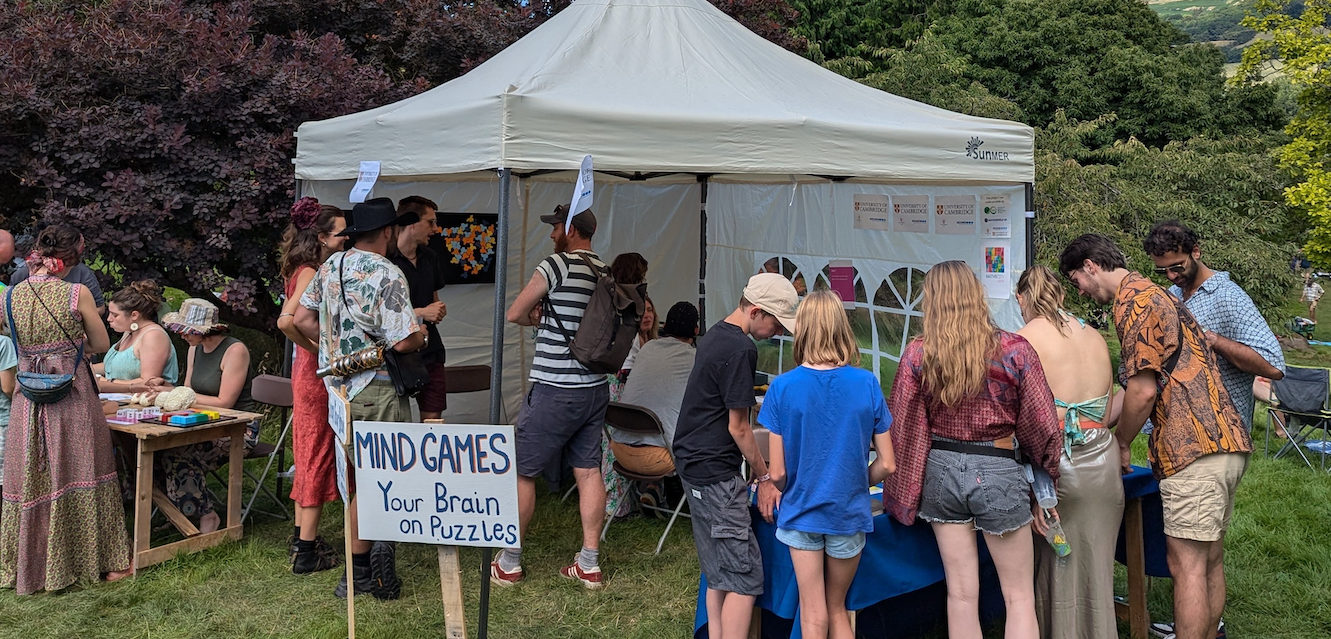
x=309, y=240
x=63, y=520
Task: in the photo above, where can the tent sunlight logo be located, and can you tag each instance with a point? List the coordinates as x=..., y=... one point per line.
x=973, y=151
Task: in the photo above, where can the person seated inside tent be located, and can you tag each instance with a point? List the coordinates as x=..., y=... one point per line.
x=662, y=371
x=218, y=370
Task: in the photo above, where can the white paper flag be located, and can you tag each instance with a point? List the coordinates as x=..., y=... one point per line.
x=582, y=192
x=369, y=174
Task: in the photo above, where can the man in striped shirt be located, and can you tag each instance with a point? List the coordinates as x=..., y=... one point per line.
x=565, y=409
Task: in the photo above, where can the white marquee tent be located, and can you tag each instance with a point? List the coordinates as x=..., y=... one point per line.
x=718, y=154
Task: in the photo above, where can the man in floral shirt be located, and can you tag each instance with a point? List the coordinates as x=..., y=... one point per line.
x=357, y=299
x=1198, y=449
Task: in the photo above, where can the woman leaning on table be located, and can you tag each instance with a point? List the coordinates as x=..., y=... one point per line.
x=218, y=370
x=144, y=351
x=63, y=522
x=963, y=389
x=310, y=239
x=1075, y=597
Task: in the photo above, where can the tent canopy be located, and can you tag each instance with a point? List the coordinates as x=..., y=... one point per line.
x=663, y=86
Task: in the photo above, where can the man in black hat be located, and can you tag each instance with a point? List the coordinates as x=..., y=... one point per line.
x=565, y=409
x=356, y=299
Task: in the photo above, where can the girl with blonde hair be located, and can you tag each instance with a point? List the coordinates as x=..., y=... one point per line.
x=963, y=389
x=1075, y=598
x=823, y=415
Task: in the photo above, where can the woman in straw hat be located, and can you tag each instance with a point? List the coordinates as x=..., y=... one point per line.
x=218, y=371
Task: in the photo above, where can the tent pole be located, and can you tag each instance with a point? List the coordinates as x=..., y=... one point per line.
x=496, y=370
x=1030, y=224
x=702, y=256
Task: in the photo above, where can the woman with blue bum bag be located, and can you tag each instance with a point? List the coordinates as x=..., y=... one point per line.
x=823, y=415
x=965, y=393
x=60, y=471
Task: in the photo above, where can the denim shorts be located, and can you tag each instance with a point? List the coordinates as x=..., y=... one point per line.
x=959, y=488
x=836, y=546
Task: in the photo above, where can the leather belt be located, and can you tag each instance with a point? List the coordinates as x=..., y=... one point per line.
x=1002, y=447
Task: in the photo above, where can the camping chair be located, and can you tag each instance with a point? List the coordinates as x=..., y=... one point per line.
x=273, y=391
x=636, y=419
x=1301, y=406
x=467, y=379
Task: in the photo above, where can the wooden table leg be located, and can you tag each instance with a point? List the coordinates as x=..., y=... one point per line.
x=1139, y=619
x=143, y=504
x=173, y=514
x=237, y=471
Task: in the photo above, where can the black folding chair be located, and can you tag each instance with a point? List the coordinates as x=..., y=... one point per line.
x=1301, y=406
x=642, y=421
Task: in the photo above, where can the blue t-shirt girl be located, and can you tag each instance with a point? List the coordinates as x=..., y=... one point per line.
x=826, y=420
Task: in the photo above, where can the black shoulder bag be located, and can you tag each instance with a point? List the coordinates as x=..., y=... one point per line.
x=406, y=370
x=43, y=388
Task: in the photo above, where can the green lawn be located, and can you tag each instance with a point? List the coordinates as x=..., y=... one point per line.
x=1278, y=566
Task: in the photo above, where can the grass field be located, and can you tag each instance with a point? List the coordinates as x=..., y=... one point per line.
x=1278, y=566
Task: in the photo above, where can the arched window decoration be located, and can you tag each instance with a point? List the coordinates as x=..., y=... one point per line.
x=882, y=325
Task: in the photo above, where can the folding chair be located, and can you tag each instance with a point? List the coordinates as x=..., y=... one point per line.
x=467, y=379
x=273, y=391
x=1301, y=406
x=636, y=419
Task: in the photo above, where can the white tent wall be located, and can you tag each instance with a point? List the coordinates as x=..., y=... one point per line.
x=659, y=219
x=811, y=222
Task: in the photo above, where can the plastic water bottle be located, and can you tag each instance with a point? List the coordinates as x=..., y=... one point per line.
x=1056, y=538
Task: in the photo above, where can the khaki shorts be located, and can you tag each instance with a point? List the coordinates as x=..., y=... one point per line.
x=1199, y=500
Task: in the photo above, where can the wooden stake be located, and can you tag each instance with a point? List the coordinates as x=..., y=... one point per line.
x=341, y=393
x=450, y=581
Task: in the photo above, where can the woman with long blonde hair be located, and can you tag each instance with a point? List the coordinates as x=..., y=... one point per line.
x=963, y=390
x=1075, y=598
x=823, y=416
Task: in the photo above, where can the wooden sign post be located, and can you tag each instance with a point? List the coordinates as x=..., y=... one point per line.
x=340, y=410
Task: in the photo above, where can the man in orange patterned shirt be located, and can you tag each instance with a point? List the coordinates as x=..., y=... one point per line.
x=1198, y=449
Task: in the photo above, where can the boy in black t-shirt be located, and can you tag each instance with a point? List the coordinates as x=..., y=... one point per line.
x=711, y=440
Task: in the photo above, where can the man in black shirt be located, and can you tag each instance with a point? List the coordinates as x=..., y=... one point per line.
x=424, y=270
x=713, y=437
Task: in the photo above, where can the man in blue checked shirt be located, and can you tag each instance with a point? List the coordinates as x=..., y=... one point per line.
x=1238, y=333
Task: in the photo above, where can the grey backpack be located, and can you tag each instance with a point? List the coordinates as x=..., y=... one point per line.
x=609, y=323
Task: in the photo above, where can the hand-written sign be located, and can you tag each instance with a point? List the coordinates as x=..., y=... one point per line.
x=450, y=484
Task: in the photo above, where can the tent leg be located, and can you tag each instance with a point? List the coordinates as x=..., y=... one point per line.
x=1030, y=224
x=496, y=369
x=702, y=255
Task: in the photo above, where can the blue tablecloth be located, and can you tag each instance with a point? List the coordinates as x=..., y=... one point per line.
x=900, y=578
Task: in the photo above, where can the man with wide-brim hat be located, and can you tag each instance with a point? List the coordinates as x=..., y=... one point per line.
x=357, y=299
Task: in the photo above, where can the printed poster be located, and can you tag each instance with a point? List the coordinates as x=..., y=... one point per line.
x=841, y=279
x=995, y=221
x=871, y=212
x=997, y=274
x=955, y=214
x=365, y=179
x=910, y=213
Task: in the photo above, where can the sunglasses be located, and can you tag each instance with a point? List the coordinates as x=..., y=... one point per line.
x=1176, y=269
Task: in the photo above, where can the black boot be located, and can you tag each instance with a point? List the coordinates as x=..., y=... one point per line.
x=314, y=556
x=383, y=570
x=364, y=583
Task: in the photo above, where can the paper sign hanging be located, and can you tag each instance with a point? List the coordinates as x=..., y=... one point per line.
x=910, y=213
x=582, y=192
x=955, y=214
x=369, y=174
x=997, y=274
x=871, y=211
x=841, y=279
x=995, y=221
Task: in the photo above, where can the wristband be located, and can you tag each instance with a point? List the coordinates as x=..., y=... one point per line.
x=767, y=477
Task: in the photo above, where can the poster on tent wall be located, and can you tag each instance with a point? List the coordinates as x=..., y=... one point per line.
x=466, y=242
x=871, y=211
x=910, y=213
x=955, y=214
x=995, y=220
x=997, y=273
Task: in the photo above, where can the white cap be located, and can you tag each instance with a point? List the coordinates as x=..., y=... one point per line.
x=774, y=294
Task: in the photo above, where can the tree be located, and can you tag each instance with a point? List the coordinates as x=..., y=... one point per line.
x=1300, y=48
x=164, y=132
x=1226, y=189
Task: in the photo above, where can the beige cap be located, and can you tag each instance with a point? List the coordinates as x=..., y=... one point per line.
x=774, y=294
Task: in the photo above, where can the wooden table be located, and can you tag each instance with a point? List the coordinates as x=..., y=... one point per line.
x=152, y=438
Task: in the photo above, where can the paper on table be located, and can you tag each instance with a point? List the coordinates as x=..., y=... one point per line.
x=369, y=174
